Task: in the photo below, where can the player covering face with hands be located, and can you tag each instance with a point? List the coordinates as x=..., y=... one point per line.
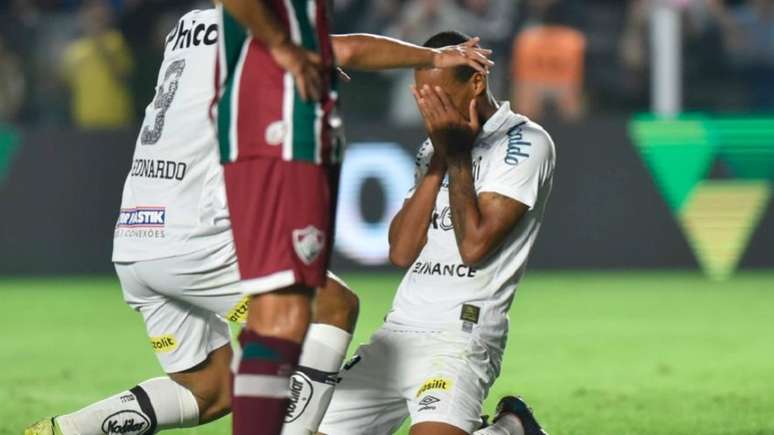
x=177, y=262
x=464, y=234
x=278, y=127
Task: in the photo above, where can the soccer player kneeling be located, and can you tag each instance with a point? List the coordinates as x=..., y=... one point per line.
x=464, y=233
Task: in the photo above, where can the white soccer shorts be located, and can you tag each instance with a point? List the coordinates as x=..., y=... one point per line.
x=185, y=302
x=431, y=376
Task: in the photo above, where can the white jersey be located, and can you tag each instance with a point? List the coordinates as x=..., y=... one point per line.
x=514, y=157
x=174, y=197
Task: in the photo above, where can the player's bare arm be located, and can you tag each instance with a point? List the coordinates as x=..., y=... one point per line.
x=305, y=66
x=481, y=222
x=408, y=229
x=372, y=52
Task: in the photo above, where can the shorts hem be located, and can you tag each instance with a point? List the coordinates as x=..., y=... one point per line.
x=462, y=425
x=268, y=283
x=178, y=366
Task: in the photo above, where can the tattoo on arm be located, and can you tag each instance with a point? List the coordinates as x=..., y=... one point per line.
x=462, y=196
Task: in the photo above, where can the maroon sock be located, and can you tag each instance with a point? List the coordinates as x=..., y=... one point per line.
x=261, y=384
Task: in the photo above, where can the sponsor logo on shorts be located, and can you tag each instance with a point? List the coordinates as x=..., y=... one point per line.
x=428, y=403
x=126, y=422
x=275, y=133
x=301, y=392
x=440, y=384
x=308, y=243
x=238, y=314
x=164, y=343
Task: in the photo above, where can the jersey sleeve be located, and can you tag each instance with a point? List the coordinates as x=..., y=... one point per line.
x=421, y=164
x=523, y=161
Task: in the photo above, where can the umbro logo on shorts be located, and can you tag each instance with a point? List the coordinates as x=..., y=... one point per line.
x=308, y=243
x=427, y=403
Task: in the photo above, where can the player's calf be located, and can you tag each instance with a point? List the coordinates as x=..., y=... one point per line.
x=153, y=405
x=277, y=323
x=189, y=398
x=312, y=385
x=210, y=383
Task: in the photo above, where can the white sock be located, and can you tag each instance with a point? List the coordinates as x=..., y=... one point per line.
x=508, y=424
x=311, y=386
x=153, y=405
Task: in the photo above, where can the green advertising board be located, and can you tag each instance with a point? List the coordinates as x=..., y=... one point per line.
x=718, y=214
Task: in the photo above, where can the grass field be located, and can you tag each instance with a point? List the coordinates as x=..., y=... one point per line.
x=594, y=353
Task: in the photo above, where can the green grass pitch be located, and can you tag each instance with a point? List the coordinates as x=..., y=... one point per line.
x=594, y=353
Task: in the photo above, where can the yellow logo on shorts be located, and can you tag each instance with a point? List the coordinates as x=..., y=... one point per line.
x=443, y=384
x=238, y=314
x=163, y=343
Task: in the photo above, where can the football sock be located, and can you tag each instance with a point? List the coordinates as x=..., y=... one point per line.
x=153, y=405
x=507, y=424
x=311, y=386
x=261, y=392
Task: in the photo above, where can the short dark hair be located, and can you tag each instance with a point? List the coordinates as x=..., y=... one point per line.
x=461, y=73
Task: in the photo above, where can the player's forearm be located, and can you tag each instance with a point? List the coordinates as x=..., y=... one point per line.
x=259, y=19
x=372, y=52
x=408, y=230
x=466, y=216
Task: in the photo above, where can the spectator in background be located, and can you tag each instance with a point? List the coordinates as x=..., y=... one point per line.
x=417, y=22
x=97, y=68
x=379, y=16
x=494, y=21
x=548, y=64
x=11, y=85
x=19, y=32
x=748, y=30
x=633, y=47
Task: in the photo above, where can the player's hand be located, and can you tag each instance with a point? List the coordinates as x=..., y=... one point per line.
x=452, y=135
x=469, y=54
x=305, y=67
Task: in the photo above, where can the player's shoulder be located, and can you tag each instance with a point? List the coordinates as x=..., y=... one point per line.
x=521, y=138
x=198, y=27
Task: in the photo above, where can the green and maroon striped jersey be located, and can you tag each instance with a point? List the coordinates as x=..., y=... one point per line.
x=258, y=109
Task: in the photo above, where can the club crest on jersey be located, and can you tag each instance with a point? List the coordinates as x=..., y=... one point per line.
x=275, y=133
x=126, y=422
x=308, y=243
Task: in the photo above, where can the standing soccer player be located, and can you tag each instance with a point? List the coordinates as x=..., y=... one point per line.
x=276, y=127
x=464, y=233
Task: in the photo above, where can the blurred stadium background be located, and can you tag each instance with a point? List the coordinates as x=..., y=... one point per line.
x=649, y=305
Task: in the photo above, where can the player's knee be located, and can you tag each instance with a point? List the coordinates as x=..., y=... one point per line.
x=337, y=305
x=283, y=314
